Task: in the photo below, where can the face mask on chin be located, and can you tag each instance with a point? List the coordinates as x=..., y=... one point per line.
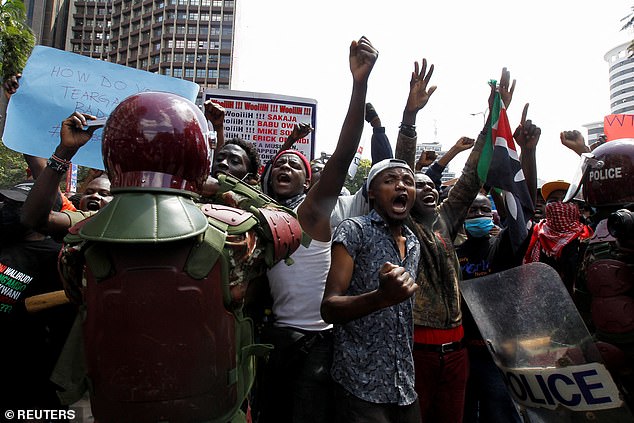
x=479, y=227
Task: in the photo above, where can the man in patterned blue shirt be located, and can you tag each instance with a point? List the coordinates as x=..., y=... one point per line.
x=368, y=296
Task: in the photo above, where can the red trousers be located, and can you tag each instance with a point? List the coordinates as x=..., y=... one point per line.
x=441, y=380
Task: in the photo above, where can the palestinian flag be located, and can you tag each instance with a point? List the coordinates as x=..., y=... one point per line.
x=499, y=167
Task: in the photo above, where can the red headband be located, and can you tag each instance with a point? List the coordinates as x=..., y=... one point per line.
x=309, y=173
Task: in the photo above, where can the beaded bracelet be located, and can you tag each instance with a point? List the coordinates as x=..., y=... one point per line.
x=408, y=130
x=57, y=164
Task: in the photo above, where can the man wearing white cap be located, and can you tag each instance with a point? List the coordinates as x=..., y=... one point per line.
x=368, y=297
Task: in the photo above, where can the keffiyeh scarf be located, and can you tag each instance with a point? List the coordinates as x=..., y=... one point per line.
x=552, y=234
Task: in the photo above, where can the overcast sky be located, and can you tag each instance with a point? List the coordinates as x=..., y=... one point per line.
x=553, y=48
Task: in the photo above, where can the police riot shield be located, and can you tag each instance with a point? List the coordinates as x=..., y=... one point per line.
x=538, y=340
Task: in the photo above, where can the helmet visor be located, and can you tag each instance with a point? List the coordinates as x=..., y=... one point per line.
x=588, y=162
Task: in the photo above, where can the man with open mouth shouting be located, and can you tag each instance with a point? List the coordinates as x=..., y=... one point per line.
x=440, y=359
x=369, y=298
x=296, y=384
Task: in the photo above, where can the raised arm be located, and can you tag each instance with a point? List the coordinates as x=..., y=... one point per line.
x=215, y=114
x=314, y=213
x=436, y=169
x=300, y=130
x=527, y=135
x=574, y=141
x=419, y=94
x=36, y=212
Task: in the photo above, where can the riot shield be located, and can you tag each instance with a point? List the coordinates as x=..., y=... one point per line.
x=549, y=361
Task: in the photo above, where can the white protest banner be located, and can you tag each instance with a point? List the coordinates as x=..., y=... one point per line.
x=56, y=83
x=266, y=120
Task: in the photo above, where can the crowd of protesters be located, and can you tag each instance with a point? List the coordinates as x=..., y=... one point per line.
x=367, y=322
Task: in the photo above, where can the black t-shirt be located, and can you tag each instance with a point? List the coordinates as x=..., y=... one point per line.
x=31, y=342
x=483, y=256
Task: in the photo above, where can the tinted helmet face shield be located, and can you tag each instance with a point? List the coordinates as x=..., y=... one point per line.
x=587, y=163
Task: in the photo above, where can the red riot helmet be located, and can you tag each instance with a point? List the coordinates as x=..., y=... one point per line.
x=156, y=140
x=606, y=174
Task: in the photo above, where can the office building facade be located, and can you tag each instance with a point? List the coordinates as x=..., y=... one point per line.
x=621, y=78
x=187, y=39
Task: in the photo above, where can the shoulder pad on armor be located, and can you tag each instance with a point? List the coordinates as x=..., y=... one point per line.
x=229, y=215
x=285, y=232
x=232, y=220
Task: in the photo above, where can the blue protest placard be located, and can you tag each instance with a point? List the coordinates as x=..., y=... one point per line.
x=56, y=83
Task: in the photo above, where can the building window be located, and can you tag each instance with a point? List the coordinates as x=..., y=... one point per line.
x=166, y=71
x=155, y=60
x=217, y=3
x=227, y=18
x=190, y=57
x=224, y=73
x=180, y=29
x=178, y=57
x=193, y=16
x=177, y=73
x=76, y=48
x=189, y=73
x=204, y=17
x=212, y=73
x=180, y=43
x=191, y=44
x=226, y=45
x=201, y=58
x=215, y=17
x=225, y=59
x=200, y=73
x=205, y=2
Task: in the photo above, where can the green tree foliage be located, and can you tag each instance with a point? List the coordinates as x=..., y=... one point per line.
x=353, y=184
x=629, y=23
x=16, y=38
x=12, y=167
